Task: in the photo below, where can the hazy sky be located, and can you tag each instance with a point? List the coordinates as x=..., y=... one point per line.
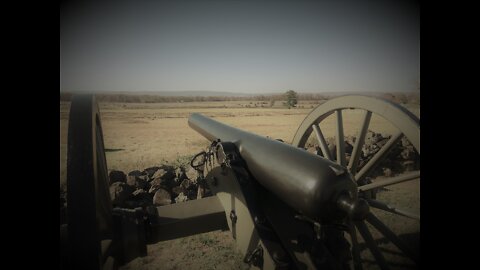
x=240, y=46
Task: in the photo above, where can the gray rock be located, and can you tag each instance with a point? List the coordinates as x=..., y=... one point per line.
x=369, y=137
x=141, y=183
x=160, y=173
x=177, y=190
x=137, y=182
x=348, y=148
x=181, y=198
x=408, y=165
x=131, y=179
x=177, y=181
x=154, y=188
x=200, y=192
x=408, y=153
x=369, y=150
x=150, y=171
x=381, y=142
x=156, y=181
x=135, y=173
x=138, y=192
x=191, y=173
x=186, y=183
x=164, y=183
x=180, y=173
x=120, y=192
x=140, y=199
x=387, y=172
x=117, y=176
x=405, y=142
x=372, y=137
x=143, y=177
x=164, y=172
x=162, y=197
x=350, y=139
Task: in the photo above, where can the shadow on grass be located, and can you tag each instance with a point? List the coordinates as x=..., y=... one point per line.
x=113, y=149
x=410, y=239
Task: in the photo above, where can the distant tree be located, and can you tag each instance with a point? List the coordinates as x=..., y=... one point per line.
x=291, y=98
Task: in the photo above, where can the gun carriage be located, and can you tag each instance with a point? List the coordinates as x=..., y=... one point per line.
x=286, y=208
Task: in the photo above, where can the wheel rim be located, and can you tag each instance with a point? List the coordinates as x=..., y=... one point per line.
x=89, y=208
x=408, y=125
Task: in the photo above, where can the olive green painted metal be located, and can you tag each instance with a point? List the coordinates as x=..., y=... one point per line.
x=340, y=140
x=322, y=142
x=359, y=142
x=289, y=172
x=225, y=185
x=391, y=181
x=188, y=218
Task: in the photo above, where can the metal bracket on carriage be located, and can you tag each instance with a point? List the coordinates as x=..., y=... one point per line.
x=254, y=257
x=227, y=155
x=130, y=230
x=230, y=160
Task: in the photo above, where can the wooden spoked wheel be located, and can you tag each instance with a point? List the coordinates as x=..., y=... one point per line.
x=377, y=229
x=89, y=207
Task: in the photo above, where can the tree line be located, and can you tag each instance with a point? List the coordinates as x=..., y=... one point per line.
x=290, y=98
x=132, y=98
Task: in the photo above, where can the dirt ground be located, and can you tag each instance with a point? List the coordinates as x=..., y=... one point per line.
x=138, y=136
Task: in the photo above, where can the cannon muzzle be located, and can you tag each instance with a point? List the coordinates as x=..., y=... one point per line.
x=308, y=183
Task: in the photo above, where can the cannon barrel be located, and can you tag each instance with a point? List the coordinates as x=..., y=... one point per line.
x=308, y=183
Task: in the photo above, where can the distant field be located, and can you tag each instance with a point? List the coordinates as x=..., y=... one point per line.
x=151, y=134
x=148, y=134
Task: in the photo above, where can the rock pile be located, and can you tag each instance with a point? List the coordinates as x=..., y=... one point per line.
x=166, y=184
x=159, y=185
x=403, y=156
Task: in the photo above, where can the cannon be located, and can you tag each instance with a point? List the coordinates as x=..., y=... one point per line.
x=286, y=208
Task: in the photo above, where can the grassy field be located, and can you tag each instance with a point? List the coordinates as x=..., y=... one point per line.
x=140, y=135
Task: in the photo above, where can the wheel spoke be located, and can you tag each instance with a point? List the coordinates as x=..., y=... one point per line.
x=357, y=260
x=367, y=236
x=372, y=219
x=321, y=142
x=340, y=139
x=390, y=181
x=391, y=209
x=360, y=140
x=379, y=156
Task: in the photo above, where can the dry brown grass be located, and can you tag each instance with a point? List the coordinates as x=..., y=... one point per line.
x=152, y=134
x=145, y=135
